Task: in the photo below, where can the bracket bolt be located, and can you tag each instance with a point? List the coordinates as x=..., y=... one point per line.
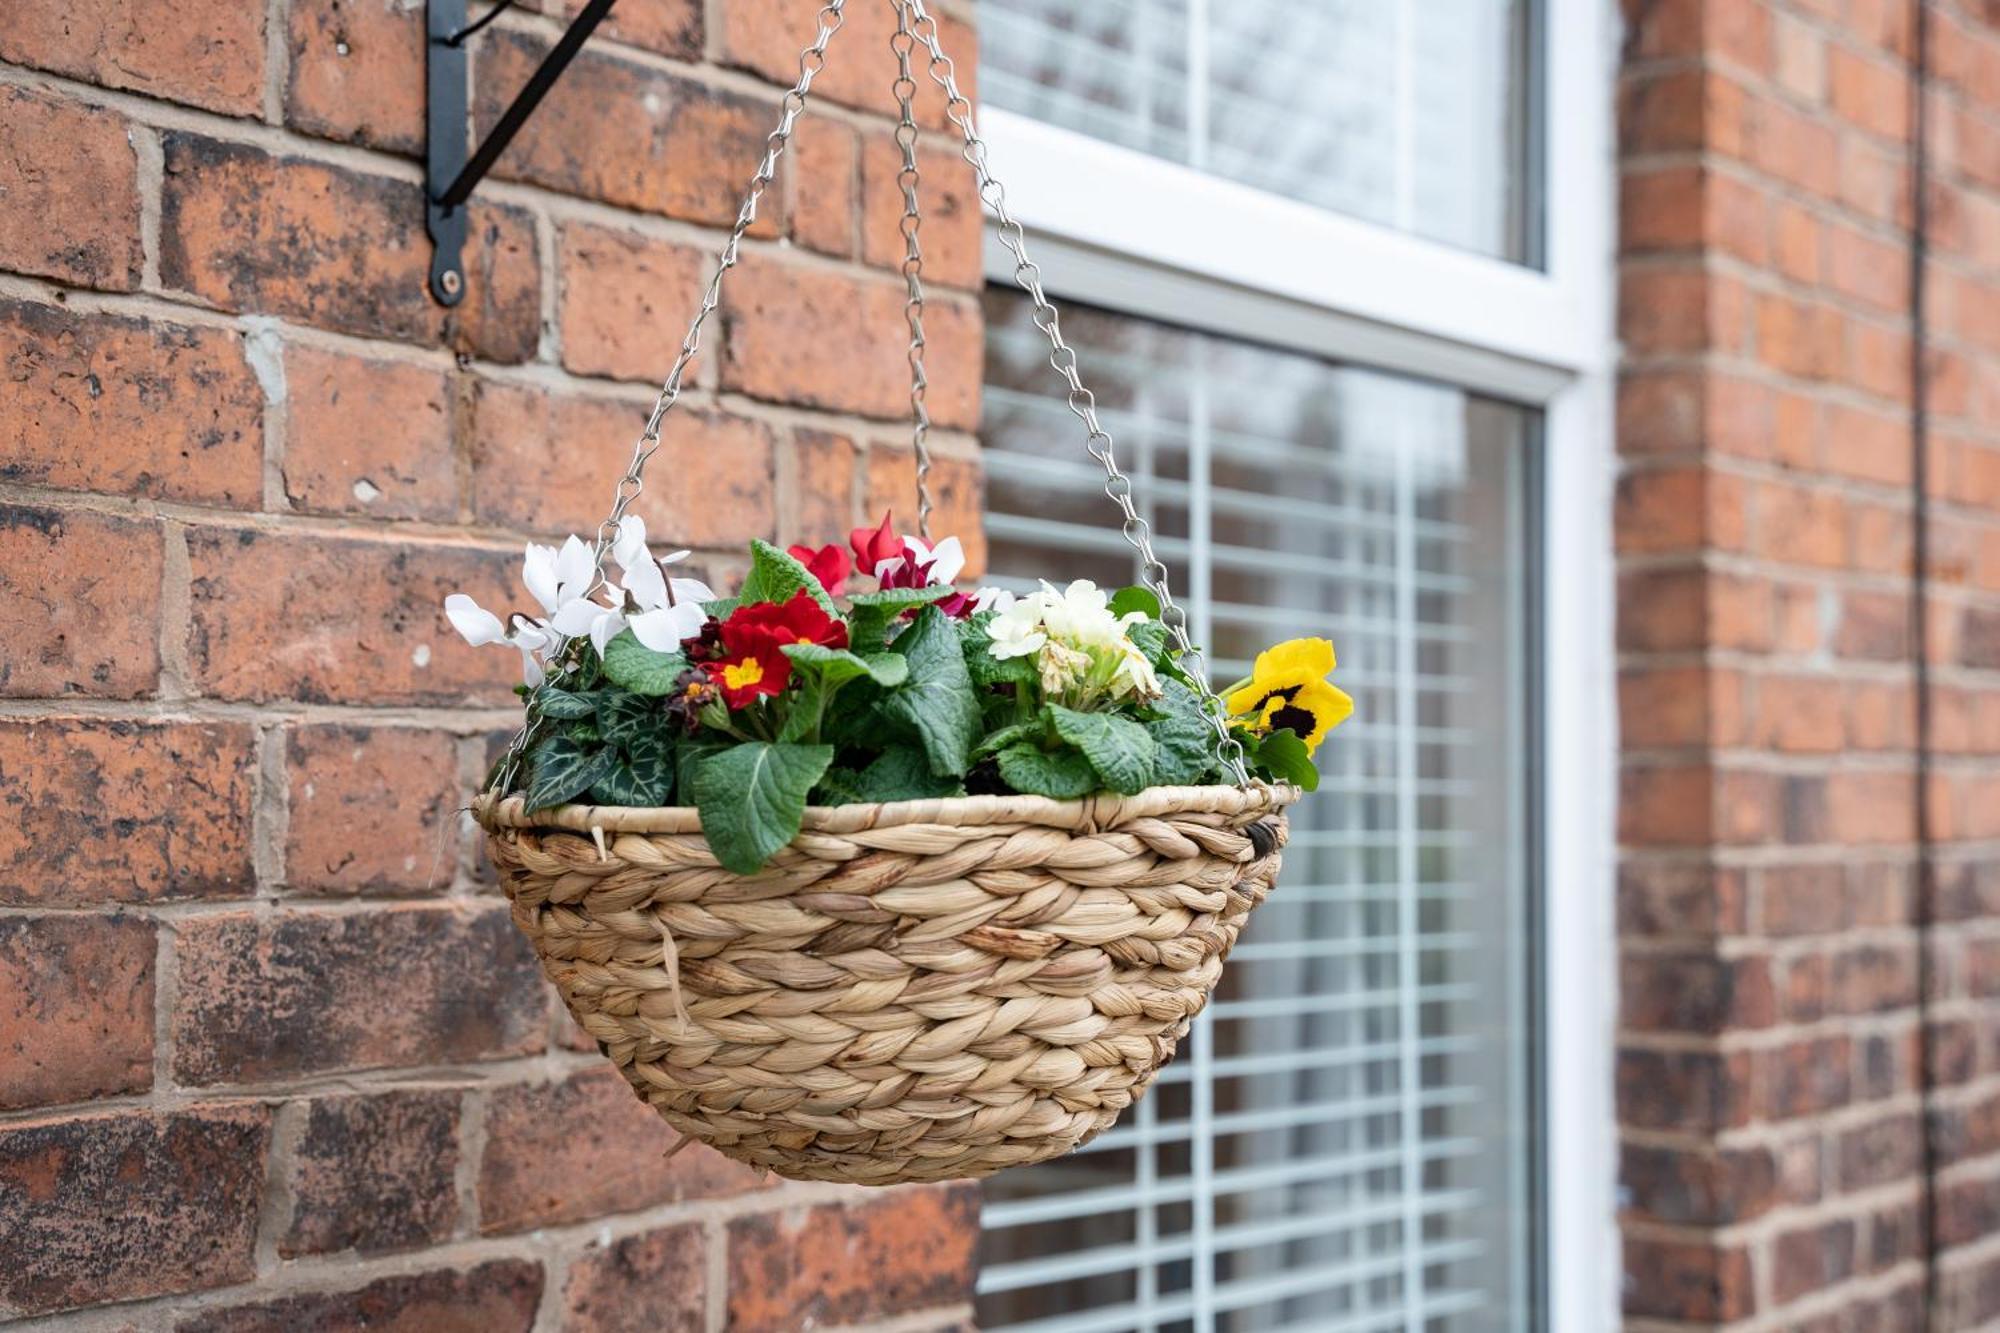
x=451, y=282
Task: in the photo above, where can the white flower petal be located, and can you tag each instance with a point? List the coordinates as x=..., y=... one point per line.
x=675, y=557
x=538, y=571
x=575, y=617
x=665, y=629
x=629, y=547
x=573, y=566
x=993, y=599
x=646, y=584
x=474, y=623
x=947, y=561
x=605, y=628
x=692, y=590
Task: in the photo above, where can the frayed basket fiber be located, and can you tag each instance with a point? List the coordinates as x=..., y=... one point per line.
x=923, y=990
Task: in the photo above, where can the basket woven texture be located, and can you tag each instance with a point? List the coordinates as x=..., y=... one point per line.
x=924, y=990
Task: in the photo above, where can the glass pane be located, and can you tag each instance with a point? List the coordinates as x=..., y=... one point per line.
x=1346, y=1138
x=1408, y=113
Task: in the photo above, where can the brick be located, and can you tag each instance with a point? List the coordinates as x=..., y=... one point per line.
x=1798, y=338
x=1805, y=1078
x=1872, y=180
x=374, y=1172
x=76, y=1008
x=1800, y=525
x=1804, y=900
x=1677, y=898
x=495, y=1297
x=1699, y=1187
x=822, y=171
x=1867, y=445
x=1811, y=1259
x=1869, y=806
x=366, y=436
x=1684, y=1090
x=1964, y=1129
x=766, y=36
x=512, y=483
x=324, y=619
x=83, y=593
x=270, y=997
x=399, y=783
x=1798, y=714
x=825, y=474
x=251, y=231
x=356, y=72
x=123, y=811
x=1798, y=58
x=1666, y=805
x=630, y=134
x=958, y=488
x=1796, y=240
x=179, y=403
x=670, y=27
x=587, y=1146
x=1696, y=993
x=1661, y=610
x=812, y=338
x=1881, y=1152
x=838, y=1265
x=129, y=1205
x=1686, y=1280
x=1868, y=269
x=1869, y=92
x=950, y=232
x=1874, y=626
x=59, y=159
x=1669, y=311
x=652, y=1282
x=195, y=51
x=626, y=301
x=1662, y=707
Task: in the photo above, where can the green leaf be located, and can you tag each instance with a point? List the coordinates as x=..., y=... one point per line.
x=564, y=706
x=937, y=701
x=1282, y=754
x=688, y=756
x=752, y=797
x=1014, y=734
x=1152, y=639
x=1121, y=750
x=564, y=770
x=633, y=666
x=902, y=773
x=624, y=718
x=837, y=666
x=1185, y=739
x=1062, y=774
x=871, y=613
x=838, y=786
x=777, y=577
x=1135, y=598
x=721, y=607
x=632, y=785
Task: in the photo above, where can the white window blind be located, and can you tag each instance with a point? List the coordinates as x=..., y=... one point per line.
x=1345, y=1141
x=1408, y=113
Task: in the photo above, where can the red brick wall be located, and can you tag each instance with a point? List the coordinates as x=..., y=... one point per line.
x=1772, y=1091
x=259, y=1066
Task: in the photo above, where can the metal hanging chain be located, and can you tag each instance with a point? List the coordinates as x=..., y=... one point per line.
x=1082, y=402
x=811, y=61
x=904, y=42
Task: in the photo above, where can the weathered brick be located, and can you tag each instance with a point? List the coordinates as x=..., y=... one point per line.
x=330, y=619
x=1678, y=898
x=367, y=436
x=1697, y=993
x=652, y=1282
x=1687, y=1280
x=1798, y=714
x=765, y=36
x=1805, y=1078
x=1685, y=1090
x=803, y=335
x=374, y=1172
x=267, y=997
x=838, y=1265
x=76, y=1008
x=957, y=491
x=118, y=1207
x=356, y=72
x=1699, y=1187
x=630, y=134
x=253, y=231
x=824, y=478
x=179, y=403
x=519, y=432
x=495, y=1297
x=208, y=53
x=585, y=1146
x=82, y=591
x=626, y=301
x=399, y=783
x=69, y=194
x=1666, y=805
x=950, y=233
x=1811, y=1259
x=822, y=172
x=123, y=811
x=670, y=27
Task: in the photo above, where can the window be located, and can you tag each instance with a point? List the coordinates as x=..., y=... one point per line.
x=1349, y=399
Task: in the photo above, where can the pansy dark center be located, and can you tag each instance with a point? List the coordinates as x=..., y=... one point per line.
x=1298, y=720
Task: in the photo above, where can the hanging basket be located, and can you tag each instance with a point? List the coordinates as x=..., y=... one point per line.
x=924, y=990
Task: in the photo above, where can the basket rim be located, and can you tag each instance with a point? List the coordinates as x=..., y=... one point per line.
x=1103, y=810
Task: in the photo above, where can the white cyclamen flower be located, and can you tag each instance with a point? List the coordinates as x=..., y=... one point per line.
x=662, y=613
x=479, y=627
x=946, y=559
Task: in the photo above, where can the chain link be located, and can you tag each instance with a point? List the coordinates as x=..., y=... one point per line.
x=1082, y=402
x=904, y=43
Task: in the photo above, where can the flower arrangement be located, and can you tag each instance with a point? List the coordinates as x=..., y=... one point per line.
x=653, y=691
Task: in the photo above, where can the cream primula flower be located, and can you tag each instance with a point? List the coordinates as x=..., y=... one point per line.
x=1079, y=645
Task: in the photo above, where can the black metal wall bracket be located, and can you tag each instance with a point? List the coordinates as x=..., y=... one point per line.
x=453, y=168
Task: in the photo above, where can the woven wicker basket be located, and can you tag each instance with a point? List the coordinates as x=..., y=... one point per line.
x=925, y=990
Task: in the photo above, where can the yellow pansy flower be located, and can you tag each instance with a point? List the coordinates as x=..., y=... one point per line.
x=1288, y=690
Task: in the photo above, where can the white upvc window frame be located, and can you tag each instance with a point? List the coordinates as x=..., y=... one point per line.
x=1238, y=261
